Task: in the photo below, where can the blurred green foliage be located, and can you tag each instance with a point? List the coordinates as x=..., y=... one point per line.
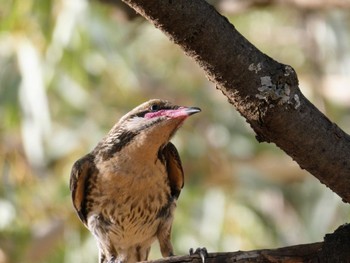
x=70, y=69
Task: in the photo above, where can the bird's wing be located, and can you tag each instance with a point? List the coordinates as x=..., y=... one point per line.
x=174, y=169
x=79, y=184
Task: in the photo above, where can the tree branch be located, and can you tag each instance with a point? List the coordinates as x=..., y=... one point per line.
x=238, y=6
x=264, y=91
x=335, y=248
x=300, y=253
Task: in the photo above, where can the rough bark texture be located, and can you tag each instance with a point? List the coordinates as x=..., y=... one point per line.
x=264, y=91
x=334, y=249
x=232, y=7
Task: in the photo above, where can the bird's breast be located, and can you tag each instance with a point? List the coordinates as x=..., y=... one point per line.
x=133, y=198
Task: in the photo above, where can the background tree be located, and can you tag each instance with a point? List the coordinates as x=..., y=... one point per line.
x=68, y=67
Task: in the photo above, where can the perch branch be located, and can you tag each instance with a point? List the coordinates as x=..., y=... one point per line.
x=335, y=248
x=263, y=90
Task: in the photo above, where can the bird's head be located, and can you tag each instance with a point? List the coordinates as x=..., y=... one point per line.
x=156, y=113
x=150, y=124
x=157, y=119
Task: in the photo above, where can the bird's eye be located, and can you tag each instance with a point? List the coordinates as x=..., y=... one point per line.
x=154, y=107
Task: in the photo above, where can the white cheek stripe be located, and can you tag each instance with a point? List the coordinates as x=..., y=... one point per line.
x=134, y=123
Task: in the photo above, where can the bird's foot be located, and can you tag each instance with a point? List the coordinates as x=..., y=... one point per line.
x=202, y=252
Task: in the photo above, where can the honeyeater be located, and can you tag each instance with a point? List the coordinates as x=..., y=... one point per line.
x=125, y=190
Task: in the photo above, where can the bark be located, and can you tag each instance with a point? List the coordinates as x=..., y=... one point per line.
x=239, y=6
x=263, y=90
x=311, y=5
x=335, y=248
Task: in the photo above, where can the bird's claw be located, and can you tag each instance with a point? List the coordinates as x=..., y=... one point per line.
x=202, y=252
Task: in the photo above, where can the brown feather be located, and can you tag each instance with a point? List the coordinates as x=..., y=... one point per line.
x=79, y=181
x=174, y=169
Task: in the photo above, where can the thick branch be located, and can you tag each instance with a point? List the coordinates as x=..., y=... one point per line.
x=300, y=253
x=238, y=6
x=230, y=6
x=264, y=91
x=335, y=248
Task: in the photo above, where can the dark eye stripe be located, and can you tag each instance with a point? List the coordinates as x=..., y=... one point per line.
x=140, y=114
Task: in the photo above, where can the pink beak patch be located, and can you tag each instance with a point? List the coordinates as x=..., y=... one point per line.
x=182, y=112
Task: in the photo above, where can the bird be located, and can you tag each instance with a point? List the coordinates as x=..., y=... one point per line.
x=125, y=190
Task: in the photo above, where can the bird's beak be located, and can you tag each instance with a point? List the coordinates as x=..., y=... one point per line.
x=192, y=110
x=182, y=112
